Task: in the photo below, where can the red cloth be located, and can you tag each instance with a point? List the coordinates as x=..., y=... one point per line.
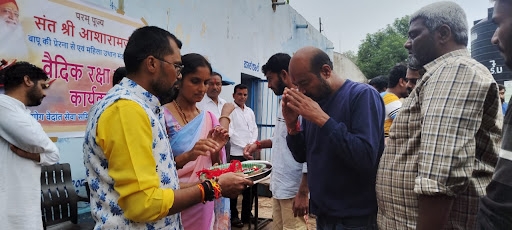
x=8, y=1
x=234, y=166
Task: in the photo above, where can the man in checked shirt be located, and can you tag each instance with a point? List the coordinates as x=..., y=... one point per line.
x=445, y=140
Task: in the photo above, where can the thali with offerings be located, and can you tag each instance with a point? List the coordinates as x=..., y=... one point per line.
x=255, y=170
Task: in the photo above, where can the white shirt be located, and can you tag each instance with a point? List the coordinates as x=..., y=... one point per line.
x=242, y=129
x=20, y=184
x=207, y=104
x=286, y=172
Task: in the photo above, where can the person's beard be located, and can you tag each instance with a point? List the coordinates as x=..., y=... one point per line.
x=12, y=38
x=280, y=87
x=324, y=90
x=34, y=97
x=413, y=62
x=163, y=93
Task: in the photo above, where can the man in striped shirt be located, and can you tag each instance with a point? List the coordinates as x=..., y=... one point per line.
x=397, y=88
x=496, y=207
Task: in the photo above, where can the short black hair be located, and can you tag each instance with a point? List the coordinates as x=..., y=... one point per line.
x=399, y=71
x=13, y=75
x=119, y=74
x=239, y=86
x=318, y=60
x=146, y=41
x=276, y=63
x=216, y=74
x=380, y=82
x=501, y=87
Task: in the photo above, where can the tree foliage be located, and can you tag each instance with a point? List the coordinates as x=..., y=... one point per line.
x=350, y=55
x=380, y=51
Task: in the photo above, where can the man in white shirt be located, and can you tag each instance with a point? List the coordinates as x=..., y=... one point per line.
x=242, y=131
x=215, y=104
x=212, y=102
x=24, y=147
x=288, y=182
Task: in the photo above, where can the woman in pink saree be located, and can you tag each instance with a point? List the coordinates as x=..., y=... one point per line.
x=193, y=134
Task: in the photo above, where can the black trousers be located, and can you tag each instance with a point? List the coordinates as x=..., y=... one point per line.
x=247, y=199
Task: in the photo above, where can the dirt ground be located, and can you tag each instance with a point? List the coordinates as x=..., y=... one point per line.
x=265, y=211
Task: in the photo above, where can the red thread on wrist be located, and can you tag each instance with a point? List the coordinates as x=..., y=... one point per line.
x=202, y=192
x=216, y=189
x=258, y=144
x=293, y=131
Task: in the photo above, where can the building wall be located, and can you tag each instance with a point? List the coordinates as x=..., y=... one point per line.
x=347, y=69
x=237, y=36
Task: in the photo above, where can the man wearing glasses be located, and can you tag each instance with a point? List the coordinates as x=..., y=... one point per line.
x=129, y=163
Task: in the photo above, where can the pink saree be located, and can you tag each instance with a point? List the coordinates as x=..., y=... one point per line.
x=212, y=215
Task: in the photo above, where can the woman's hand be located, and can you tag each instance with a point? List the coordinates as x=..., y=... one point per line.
x=219, y=135
x=203, y=147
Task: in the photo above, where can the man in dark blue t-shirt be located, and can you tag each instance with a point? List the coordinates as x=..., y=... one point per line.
x=341, y=138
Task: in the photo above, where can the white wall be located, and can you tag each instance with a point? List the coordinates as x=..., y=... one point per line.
x=227, y=32
x=345, y=68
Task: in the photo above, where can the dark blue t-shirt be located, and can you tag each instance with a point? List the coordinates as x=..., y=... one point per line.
x=343, y=155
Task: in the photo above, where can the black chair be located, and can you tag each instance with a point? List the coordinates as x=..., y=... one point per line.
x=59, y=199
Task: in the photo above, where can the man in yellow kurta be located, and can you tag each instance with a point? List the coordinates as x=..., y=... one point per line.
x=129, y=164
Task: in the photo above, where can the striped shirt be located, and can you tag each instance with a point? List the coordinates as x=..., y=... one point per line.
x=393, y=104
x=445, y=141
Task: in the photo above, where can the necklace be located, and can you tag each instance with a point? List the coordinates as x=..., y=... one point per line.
x=180, y=111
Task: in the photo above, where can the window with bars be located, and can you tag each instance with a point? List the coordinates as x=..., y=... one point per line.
x=265, y=104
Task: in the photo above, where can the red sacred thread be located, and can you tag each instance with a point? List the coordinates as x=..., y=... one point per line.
x=234, y=166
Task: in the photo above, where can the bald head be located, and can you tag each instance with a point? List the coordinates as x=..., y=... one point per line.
x=311, y=70
x=313, y=57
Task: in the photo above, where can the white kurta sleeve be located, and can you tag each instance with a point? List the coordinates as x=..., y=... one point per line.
x=24, y=132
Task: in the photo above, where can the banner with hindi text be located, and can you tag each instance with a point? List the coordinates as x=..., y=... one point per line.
x=74, y=42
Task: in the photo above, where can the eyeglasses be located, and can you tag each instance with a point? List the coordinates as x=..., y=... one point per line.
x=178, y=67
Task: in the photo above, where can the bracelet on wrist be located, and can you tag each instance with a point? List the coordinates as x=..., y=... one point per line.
x=217, y=191
x=201, y=188
x=229, y=119
x=209, y=193
x=294, y=130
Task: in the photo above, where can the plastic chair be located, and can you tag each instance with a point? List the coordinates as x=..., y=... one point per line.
x=59, y=199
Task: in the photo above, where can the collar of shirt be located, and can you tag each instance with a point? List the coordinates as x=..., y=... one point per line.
x=209, y=100
x=151, y=100
x=236, y=106
x=13, y=101
x=431, y=65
